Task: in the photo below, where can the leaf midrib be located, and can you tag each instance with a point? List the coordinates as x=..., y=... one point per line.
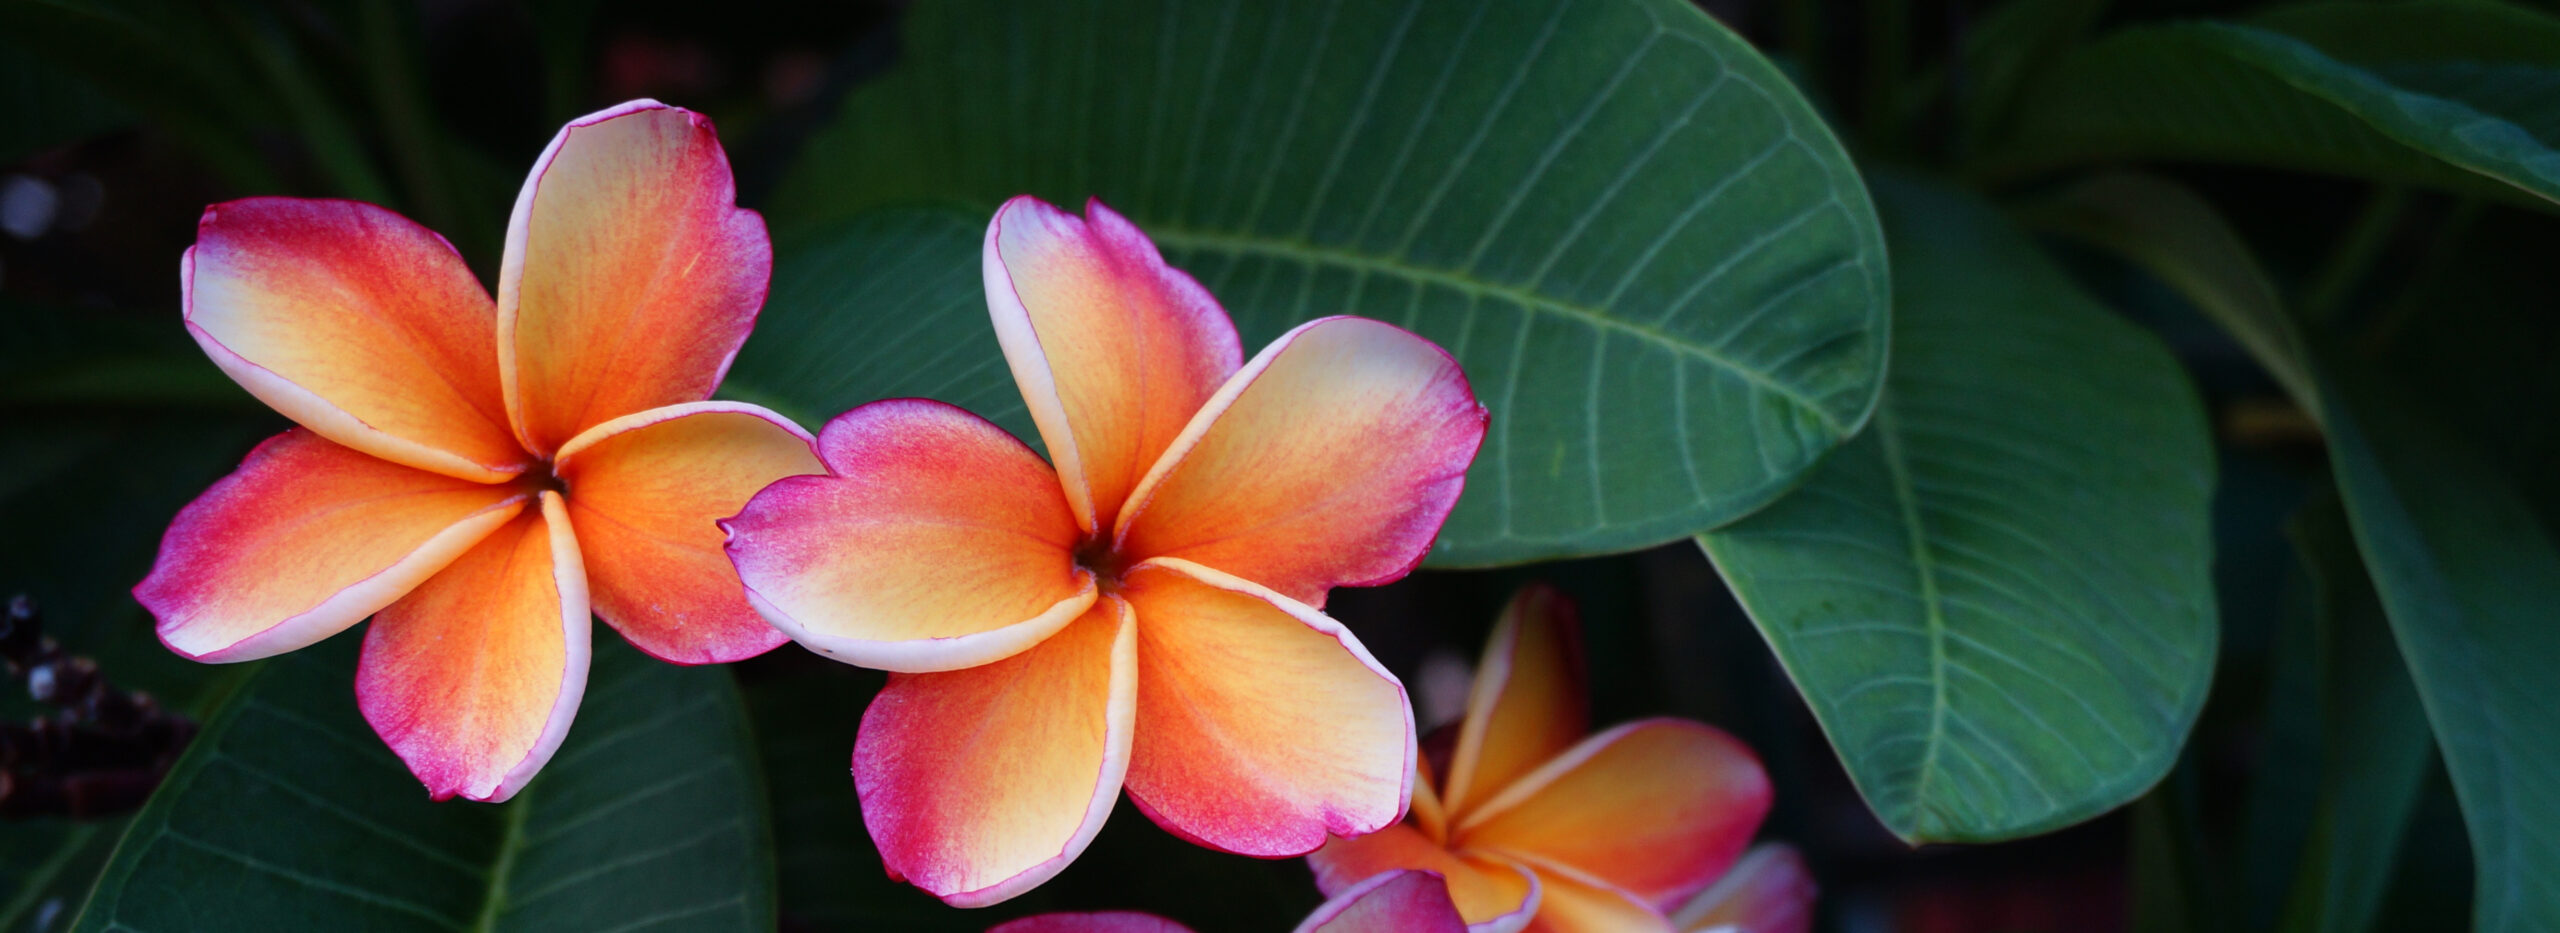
x=1924, y=567
x=510, y=842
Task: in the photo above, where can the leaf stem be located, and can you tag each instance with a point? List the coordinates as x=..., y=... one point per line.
x=2348, y=264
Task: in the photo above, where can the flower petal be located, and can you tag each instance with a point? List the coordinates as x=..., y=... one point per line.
x=1530, y=702
x=1577, y=904
x=304, y=540
x=473, y=677
x=1769, y=891
x=936, y=542
x=1330, y=460
x=980, y=784
x=1402, y=901
x=631, y=276
x=1113, y=349
x=358, y=324
x=1658, y=807
x=1117, y=921
x=1491, y=893
x=647, y=492
x=1262, y=724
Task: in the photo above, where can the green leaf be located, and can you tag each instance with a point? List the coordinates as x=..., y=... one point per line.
x=2167, y=229
x=2435, y=93
x=47, y=868
x=1997, y=600
x=2467, y=577
x=288, y=813
x=1656, y=264
x=2375, y=747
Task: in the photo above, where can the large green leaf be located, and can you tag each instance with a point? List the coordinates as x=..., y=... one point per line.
x=1997, y=600
x=1653, y=259
x=2453, y=94
x=2466, y=574
x=2470, y=580
x=289, y=814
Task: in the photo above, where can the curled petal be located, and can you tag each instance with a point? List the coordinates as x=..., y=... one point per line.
x=1402, y=901
x=1529, y=703
x=1262, y=724
x=1117, y=921
x=647, y=492
x=1113, y=349
x=1575, y=903
x=304, y=540
x=1329, y=460
x=1657, y=807
x=936, y=542
x=631, y=276
x=473, y=677
x=1769, y=891
x=356, y=323
x=1493, y=895
x=980, y=784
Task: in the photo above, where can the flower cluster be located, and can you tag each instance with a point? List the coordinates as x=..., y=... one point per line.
x=1142, y=610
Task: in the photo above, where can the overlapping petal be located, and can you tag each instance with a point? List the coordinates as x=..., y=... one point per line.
x=647, y=492
x=304, y=540
x=1769, y=891
x=356, y=323
x=1529, y=703
x=935, y=542
x=1495, y=896
x=1394, y=902
x=1329, y=460
x=1574, y=903
x=473, y=677
x=979, y=784
x=1113, y=349
x=1262, y=724
x=1114, y=921
x=630, y=276
x=1657, y=807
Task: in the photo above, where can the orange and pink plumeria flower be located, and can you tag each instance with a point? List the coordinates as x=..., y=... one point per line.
x=476, y=474
x=1538, y=827
x=1399, y=901
x=1146, y=613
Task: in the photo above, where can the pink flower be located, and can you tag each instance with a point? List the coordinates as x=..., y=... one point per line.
x=1145, y=614
x=479, y=473
x=1392, y=902
x=1539, y=827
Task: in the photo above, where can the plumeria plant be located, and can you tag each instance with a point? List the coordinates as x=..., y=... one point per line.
x=2027, y=464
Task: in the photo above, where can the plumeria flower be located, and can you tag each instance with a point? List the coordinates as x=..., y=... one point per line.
x=1400, y=901
x=478, y=475
x=1146, y=613
x=1769, y=891
x=1538, y=827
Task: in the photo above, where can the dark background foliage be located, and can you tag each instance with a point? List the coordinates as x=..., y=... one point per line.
x=119, y=122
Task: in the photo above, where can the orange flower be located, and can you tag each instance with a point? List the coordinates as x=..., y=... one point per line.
x=1147, y=612
x=1538, y=827
x=483, y=473
x=1398, y=901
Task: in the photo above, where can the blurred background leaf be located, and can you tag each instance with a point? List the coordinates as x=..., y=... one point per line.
x=2448, y=93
